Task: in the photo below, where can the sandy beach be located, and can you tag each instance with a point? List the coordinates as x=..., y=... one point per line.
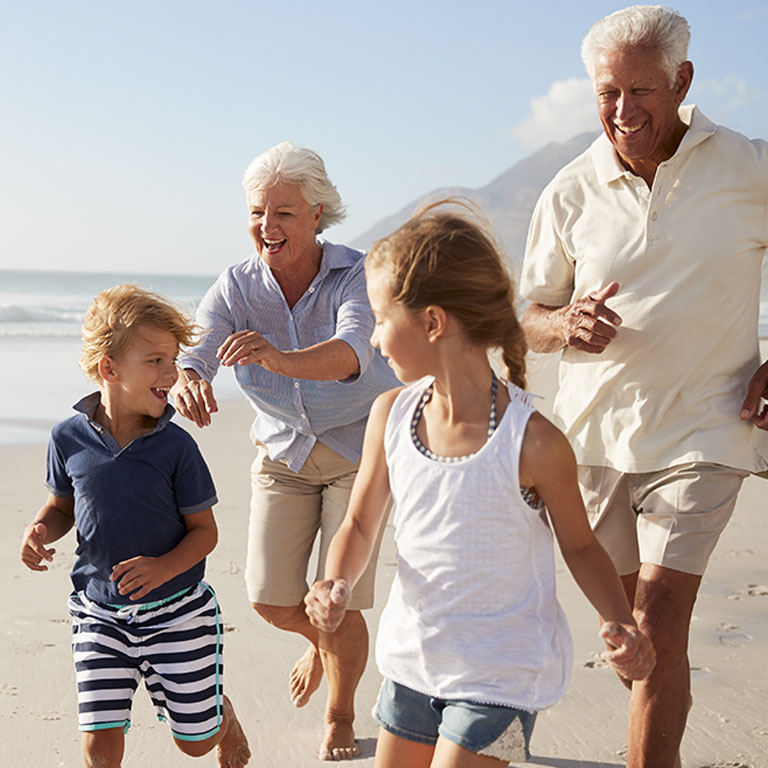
x=728, y=726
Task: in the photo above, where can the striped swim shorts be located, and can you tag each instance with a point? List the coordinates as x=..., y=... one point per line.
x=175, y=645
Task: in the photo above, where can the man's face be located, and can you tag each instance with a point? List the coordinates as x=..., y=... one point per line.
x=638, y=106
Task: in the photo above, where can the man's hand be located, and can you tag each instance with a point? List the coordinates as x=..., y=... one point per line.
x=326, y=603
x=193, y=397
x=757, y=389
x=631, y=653
x=138, y=576
x=587, y=324
x=32, y=550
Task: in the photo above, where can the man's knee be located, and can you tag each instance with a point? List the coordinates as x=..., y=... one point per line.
x=281, y=616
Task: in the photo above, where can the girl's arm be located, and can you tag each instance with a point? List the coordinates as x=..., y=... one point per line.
x=547, y=464
x=351, y=547
x=138, y=576
x=53, y=521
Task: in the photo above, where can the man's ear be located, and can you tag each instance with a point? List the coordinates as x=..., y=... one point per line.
x=107, y=369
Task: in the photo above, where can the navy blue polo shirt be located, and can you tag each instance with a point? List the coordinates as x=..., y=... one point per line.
x=129, y=501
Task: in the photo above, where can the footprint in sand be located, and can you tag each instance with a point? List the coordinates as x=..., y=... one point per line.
x=736, y=764
x=596, y=662
x=755, y=590
x=727, y=635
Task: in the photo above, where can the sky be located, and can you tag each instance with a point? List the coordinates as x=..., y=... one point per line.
x=125, y=127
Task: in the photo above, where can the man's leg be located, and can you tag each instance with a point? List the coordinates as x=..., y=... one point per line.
x=342, y=655
x=659, y=705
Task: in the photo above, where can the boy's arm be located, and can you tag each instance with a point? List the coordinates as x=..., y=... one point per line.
x=547, y=463
x=53, y=521
x=138, y=576
x=352, y=544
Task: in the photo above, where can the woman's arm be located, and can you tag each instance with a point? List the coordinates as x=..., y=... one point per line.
x=351, y=547
x=547, y=464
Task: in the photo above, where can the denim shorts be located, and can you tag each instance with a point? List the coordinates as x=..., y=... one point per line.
x=485, y=729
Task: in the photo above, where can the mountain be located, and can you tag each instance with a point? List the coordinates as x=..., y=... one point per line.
x=508, y=200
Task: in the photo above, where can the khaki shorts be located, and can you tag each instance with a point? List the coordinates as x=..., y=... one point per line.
x=288, y=509
x=671, y=518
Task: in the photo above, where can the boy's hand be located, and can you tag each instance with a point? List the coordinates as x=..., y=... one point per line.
x=139, y=576
x=631, y=653
x=326, y=603
x=32, y=550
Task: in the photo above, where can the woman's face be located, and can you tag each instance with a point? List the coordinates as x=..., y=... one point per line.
x=282, y=224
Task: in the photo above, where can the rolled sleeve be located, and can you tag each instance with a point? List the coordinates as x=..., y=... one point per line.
x=548, y=273
x=354, y=322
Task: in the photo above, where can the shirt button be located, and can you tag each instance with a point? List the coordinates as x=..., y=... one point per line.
x=295, y=384
x=304, y=416
x=653, y=216
x=311, y=288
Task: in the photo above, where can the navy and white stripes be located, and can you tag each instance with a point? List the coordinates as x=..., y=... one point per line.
x=176, y=647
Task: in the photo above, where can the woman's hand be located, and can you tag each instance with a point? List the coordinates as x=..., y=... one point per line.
x=326, y=603
x=193, y=397
x=247, y=347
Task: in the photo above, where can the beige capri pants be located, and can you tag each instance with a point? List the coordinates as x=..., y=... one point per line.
x=288, y=509
x=671, y=518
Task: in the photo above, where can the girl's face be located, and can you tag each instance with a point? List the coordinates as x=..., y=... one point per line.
x=399, y=333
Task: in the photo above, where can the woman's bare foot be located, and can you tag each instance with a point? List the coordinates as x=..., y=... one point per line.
x=233, y=750
x=339, y=742
x=305, y=677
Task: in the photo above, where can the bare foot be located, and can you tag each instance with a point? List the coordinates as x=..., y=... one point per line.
x=339, y=742
x=305, y=677
x=232, y=751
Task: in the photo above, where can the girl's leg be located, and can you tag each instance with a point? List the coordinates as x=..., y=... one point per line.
x=395, y=752
x=450, y=755
x=103, y=748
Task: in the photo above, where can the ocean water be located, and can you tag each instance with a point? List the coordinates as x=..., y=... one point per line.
x=40, y=317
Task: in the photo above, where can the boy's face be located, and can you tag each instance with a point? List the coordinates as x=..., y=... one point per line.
x=145, y=372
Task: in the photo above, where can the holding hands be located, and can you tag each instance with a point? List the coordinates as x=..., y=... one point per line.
x=326, y=603
x=630, y=651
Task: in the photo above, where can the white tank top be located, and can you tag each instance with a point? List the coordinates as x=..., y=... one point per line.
x=472, y=613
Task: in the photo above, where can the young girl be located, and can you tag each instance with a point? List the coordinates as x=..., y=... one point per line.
x=472, y=642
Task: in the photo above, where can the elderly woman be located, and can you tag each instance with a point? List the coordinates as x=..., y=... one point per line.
x=294, y=322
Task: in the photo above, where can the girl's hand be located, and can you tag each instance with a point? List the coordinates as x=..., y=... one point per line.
x=631, y=653
x=326, y=603
x=139, y=576
x=32, y=550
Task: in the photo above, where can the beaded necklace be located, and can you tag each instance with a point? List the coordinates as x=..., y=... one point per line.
x=425, y=398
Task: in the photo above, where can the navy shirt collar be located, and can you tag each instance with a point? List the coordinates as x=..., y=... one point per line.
x=88, y=405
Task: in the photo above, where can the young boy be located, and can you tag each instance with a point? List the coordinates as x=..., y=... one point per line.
x=140, y=495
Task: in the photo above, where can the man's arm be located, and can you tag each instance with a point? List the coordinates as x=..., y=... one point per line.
x=587, y=324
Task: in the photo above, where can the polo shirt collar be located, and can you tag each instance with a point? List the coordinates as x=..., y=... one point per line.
x=88, y=405
x=607, y=165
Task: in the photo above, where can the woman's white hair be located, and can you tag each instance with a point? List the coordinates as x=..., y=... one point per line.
x=649, y=25
x=303, y=167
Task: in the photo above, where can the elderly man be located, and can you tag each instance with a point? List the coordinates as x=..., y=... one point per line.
x=665, y=219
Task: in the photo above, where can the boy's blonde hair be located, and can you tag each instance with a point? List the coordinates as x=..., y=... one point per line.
x=445, y=255
x=117, y=313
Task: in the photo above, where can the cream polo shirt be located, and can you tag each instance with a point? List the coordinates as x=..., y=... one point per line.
x=687, y=255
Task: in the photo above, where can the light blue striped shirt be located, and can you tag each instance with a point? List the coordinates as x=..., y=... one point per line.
x=291, y=414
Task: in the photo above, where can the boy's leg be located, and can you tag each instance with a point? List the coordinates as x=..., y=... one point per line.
x=233, y=750
x=103, y=748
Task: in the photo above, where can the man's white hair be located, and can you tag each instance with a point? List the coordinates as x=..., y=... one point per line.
x=300, y=166
x=640, y=25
